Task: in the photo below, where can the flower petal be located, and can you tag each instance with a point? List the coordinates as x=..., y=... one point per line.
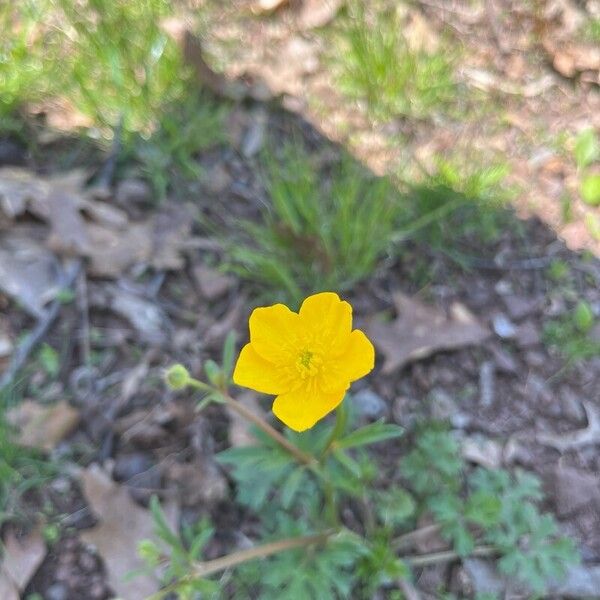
x=253, y=371
x=359, y=357
x=301, y=409
x=329, y=318
x=273, y=331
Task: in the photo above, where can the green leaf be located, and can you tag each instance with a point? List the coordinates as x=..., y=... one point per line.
x=213, y=372
x=291, y=486
x=590, y=189
x=587, y=148
x=395, y=506
x=583, y=316
x=483, y=508
x=370, y=434
x=49, y=359
x=228, y=354
x=161, y=526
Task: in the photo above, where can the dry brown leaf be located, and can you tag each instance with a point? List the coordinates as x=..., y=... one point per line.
x=29, y=273
x=575, y=489
x=122, y=525
x=21, y=558
x=17, y=188
x=421, y=330
x=147, y=318
x=212, y=284
x=200, y=482
x=43, y=426
x=84, y=226
x=318, y=13
x=570, y=58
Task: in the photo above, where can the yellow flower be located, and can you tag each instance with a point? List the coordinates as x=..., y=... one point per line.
x=308, y=359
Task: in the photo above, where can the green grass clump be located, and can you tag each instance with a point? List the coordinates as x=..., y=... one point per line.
x=169, y=154
x=110, y=58
x=570, y=334
x=321, y=230
x=113, y=63
x=22, y=470
x=376, y=65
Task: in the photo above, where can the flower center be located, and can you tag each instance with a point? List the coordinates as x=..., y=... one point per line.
x=308, y=364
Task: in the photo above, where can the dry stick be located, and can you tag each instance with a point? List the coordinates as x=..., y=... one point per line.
x=39, y=331
x=425, y=560
x=245, y=412
x=204, y=569
x=83, y=306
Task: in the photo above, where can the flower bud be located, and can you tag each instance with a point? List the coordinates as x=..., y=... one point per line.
x=177, y=377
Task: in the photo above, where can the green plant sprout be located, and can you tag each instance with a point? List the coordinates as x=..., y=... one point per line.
x=333, y=528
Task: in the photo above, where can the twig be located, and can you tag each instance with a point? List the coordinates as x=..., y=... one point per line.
x=83, y=306
x=204, y=569
x=36, y=335
x=409, y=590
x=435, y=558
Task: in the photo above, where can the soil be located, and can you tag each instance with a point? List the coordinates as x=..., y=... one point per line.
x=510, y=389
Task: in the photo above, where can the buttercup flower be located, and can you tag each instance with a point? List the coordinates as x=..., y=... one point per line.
x=308, y=359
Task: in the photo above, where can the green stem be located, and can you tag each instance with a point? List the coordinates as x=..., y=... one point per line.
x=301, y=456
x=341, y=418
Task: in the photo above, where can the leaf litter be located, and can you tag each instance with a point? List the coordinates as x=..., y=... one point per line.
x=22, y=555
x=81, y=225
x=122, y=524
x=420, y=331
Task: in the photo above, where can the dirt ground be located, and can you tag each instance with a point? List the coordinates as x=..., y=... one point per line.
x=511, y=398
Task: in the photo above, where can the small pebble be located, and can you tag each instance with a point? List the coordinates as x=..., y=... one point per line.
x=57, y=591
x=370, y=404
x=503, y=327
x=128, y=466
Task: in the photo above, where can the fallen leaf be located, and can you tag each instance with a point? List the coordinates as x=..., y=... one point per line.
x=212, y=284
x=318, y=13
x=122, y=525
x=83, y=226
x=112, y=251
x=147, y=318
x=575, y=439
x=420, y=331
x=21, y=558
x=8, y=590
x=575, y=58
x=575, y=489
x=217, y=332
x=200, y=482
x=17, y=188
x=43, y=426
x=29, y=273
